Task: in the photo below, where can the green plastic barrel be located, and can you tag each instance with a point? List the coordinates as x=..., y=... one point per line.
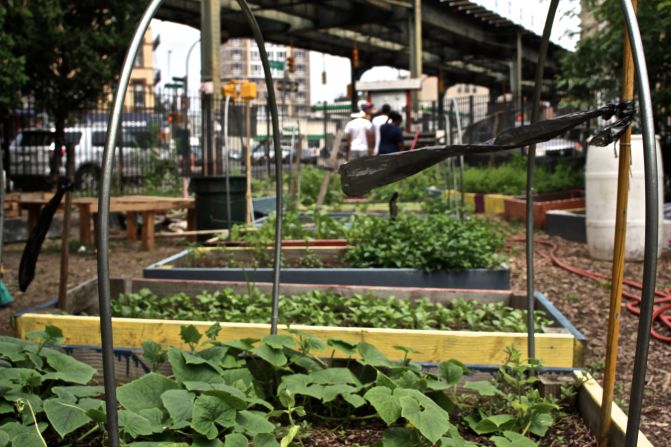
x=211, y=210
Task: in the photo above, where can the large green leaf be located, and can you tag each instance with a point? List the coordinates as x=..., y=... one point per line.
x=483, y=388
x=429, y=418
x=540, y=423
x=235, y=440
x=265, y=440
x=400, y=437
x=208, y=411
x=335, y=376
x=71, y=393
x=145, y=392
x=372, y=356
x=28, y=439
x=274, y=356
x=197, y=373
x=387, y=407
x=452, y=371
x=65, y=417
x=12, y=351
x=279, y=341
x=254, y=422
x=67, y=368
x=512, y=439
x=490, y=424
x=179, y=404
x=136, y=425
x=4, y=439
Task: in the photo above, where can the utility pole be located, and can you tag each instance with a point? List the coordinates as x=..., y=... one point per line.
x=210, y=76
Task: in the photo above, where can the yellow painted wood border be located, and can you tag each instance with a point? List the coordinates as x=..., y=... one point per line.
x=555, y=350
x=494, y=203
x=618, y=417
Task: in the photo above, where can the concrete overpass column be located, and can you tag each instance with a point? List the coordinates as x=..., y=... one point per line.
x=210, y=76
x=415, y=46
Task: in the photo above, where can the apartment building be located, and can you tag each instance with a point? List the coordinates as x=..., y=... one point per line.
x=240, y=60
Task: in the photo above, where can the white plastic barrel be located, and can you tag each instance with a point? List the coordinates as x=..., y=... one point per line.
x=601, y=200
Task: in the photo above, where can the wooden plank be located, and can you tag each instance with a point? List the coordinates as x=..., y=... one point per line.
x=148, y=240
x=85, y=235
x=556, y=350
x=589, y=404
x=131, y=226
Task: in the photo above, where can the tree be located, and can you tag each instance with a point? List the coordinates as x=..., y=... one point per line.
x=73, y=50
x=593, y=72
x=12, y=69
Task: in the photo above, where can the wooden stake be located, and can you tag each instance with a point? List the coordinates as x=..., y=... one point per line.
x=617, y=275
x=65, y=236
x=332, y=166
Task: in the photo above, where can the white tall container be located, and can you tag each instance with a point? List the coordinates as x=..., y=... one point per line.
x=601, y=200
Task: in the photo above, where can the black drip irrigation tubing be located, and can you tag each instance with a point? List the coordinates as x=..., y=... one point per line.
x=662, y=311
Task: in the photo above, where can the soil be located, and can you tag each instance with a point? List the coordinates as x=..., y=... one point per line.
x=583, y=301
x=127, y=259
x=586, y=304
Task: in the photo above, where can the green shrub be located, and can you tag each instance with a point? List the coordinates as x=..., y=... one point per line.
x=511, y=178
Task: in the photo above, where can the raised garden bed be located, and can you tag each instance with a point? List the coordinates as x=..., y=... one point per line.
x=277, y=390
x=211, y=265
x=568, y=224
x=516, y=207
x=561, y=345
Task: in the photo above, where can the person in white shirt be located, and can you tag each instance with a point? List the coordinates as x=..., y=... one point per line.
x=360, y=136
x=378, y=122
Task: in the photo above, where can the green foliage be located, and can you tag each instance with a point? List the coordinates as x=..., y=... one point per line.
x=319, y=308
x=593, y=72
x=268, y=393
x=511, y=178
x=436, y=242
x=12, y=67
x=511, y=404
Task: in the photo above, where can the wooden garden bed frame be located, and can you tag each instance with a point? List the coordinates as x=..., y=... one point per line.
x=560, y=347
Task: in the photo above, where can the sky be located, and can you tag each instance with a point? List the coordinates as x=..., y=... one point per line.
x=170, y=57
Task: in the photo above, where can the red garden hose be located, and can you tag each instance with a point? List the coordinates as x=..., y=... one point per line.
x=662, y=312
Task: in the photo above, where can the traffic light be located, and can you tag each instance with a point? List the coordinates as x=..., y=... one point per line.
x=248, y=91
x=230, y=89
x=355, y=57
x=290, y=64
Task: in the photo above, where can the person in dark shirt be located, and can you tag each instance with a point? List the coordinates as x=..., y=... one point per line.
x=391, y=135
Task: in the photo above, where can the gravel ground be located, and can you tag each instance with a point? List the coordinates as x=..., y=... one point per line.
x=585, y=303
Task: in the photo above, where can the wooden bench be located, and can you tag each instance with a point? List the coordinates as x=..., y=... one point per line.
x=129, y=205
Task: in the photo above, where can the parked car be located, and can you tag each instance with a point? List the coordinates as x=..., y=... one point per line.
x=32, y=149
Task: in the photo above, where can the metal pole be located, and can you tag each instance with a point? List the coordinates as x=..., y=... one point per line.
x=531, y=164
x=651, y=225
x=278, y=162
x=107, y=343
x=248, y=162
x=461, y=157
x=617, y=275
x=227, y=162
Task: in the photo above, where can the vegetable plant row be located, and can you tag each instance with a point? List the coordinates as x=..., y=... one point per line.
x=269, y=393
x=434, y=242
x=326, y=308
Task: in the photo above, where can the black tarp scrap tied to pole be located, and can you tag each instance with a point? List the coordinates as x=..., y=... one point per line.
x=360, y=176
